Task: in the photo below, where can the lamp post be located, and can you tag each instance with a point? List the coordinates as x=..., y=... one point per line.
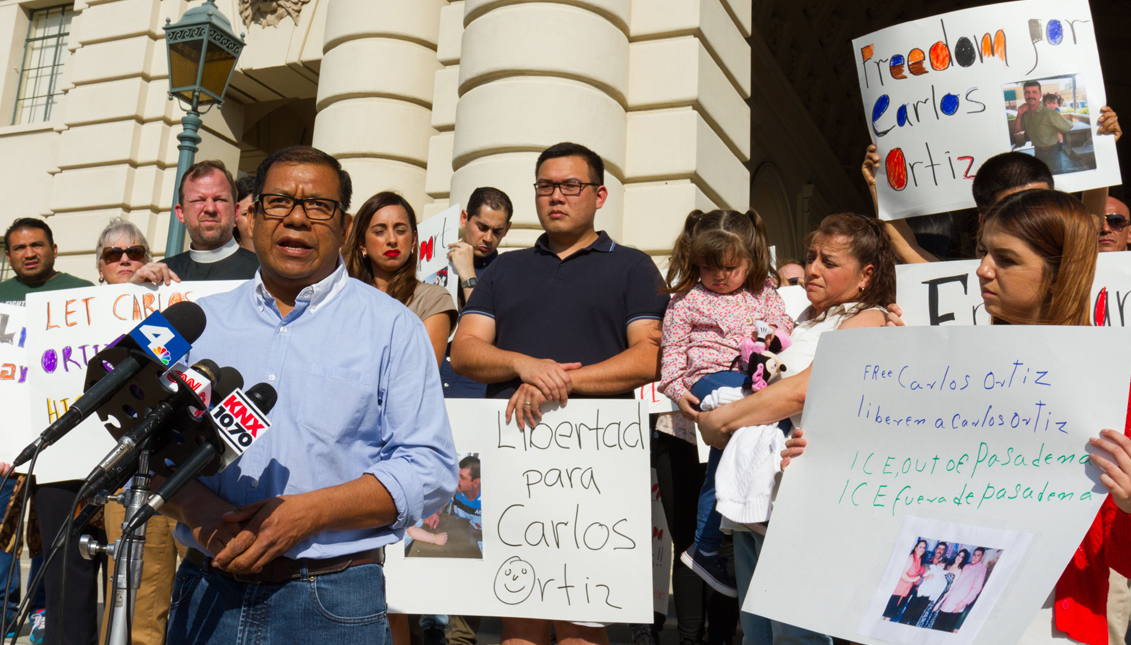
x=203, y=51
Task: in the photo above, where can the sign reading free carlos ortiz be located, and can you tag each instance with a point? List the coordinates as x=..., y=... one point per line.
x=947, y=481
x=553, y=522
x=943, y=94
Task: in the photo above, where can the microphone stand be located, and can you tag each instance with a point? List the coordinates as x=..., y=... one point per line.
x=127, y=570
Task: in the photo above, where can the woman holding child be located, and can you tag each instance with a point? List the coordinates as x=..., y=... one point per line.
x=849, y=279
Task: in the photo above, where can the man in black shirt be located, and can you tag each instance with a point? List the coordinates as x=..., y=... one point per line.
x=207, y=207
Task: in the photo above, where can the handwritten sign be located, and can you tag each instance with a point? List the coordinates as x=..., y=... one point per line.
x=435, y=234
x=948, y=293
x=65, y=330
x=943, y=94
x=13, y=383
x=565, y=519
x=974, y=435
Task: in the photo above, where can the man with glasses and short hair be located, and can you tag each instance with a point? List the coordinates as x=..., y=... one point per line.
x=1113, y=226
x=207, y=207
x=287, y=543
x=577, y=315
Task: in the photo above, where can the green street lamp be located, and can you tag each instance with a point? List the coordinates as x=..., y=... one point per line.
x=203, y=51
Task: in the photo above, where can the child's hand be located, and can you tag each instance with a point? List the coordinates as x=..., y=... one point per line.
x=685, y=404
x=794, y=447
x=440, y=539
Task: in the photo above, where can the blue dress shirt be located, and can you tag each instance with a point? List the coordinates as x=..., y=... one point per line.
x=359, y=393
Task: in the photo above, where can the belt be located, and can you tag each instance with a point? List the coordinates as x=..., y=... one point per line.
x=284, y=569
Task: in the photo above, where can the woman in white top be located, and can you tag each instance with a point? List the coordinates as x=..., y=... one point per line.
x=849, y=279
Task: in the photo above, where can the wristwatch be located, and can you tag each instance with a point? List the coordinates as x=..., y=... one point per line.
x=469, y=283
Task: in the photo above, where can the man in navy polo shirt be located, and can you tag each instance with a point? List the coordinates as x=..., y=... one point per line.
x=576, y=315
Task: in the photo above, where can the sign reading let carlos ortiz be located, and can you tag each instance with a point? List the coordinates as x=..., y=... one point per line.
x=65, y=329
x=944, y=94
x=932, y=445
x=553, y=522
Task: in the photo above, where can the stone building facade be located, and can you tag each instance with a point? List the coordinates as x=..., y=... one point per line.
x=683, y=99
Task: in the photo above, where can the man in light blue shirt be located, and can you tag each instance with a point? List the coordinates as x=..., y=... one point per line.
x=286, y=544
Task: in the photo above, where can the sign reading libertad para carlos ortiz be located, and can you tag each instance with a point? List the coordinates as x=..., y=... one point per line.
x=565, y=530
x=942, y=95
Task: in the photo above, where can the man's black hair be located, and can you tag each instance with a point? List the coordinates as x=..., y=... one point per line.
x=306, y=155
x=1035, y=84
x=492, y=198
x=1005, y=171
x=27, y=222
x=567, y=149
x=245, y=187
x=471, y=462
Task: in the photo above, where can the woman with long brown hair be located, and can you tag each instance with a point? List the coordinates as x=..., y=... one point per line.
x=382, y=251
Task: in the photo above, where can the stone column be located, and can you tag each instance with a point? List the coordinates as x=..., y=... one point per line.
x=375, y=93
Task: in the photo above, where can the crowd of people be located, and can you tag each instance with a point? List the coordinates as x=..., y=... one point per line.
x=287, y=543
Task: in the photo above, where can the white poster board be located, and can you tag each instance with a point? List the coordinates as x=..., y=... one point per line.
x=15, y=431
x=65, y=330
x=948, y=293
x=435, y=234
x=941, y=95
x=565, y=526
x=976, y=436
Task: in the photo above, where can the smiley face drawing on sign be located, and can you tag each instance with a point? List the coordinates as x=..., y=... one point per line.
x=515, y=581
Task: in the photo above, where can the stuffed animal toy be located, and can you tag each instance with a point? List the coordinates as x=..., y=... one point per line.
x=759, y=356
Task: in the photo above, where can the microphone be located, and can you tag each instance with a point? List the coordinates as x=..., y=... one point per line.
x=240, y=418
x=156, y=339
x=203, y=375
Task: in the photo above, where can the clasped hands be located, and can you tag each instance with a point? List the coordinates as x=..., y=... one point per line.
x=542, y=380
x=243, y=540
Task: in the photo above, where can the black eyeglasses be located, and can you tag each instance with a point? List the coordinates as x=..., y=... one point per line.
x=112, y=254
x=279, y=206
x=570, y=188
x=1115, y=221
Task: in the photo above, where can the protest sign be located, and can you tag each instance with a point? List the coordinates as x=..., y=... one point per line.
x=435, y=234
x=15, y=433
x=948, y=293
x=944, y=94
x=972, y=436
x=560, y=530
x=65, y=330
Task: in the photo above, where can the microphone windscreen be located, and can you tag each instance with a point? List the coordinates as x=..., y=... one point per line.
x=209, y=368
x=263, y=396
x=187, y=318
x=229, y=381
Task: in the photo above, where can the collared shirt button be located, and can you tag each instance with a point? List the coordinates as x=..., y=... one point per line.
x=255, y=483
x=270, y=377
x=282, y=330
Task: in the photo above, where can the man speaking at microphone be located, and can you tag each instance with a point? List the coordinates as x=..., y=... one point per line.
x=287, y=543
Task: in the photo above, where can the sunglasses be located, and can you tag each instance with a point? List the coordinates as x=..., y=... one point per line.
x=1116, y=222
x=113, y=254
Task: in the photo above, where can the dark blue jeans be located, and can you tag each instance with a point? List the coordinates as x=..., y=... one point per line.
x=708, y=537
x=8, y=561
x=344, y=607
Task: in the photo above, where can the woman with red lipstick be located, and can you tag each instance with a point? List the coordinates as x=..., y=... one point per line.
x=381, y=250
x=120, y=252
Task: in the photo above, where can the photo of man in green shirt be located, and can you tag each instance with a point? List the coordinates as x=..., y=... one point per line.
x=1043, y=126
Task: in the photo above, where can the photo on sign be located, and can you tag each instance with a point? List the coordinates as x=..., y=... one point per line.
x=456, y=530
x=940, y=584
x=1050, y=119
x=941, y=581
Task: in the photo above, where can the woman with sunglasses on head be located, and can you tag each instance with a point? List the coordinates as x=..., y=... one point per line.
x=122, y=252
x=1039, y=250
